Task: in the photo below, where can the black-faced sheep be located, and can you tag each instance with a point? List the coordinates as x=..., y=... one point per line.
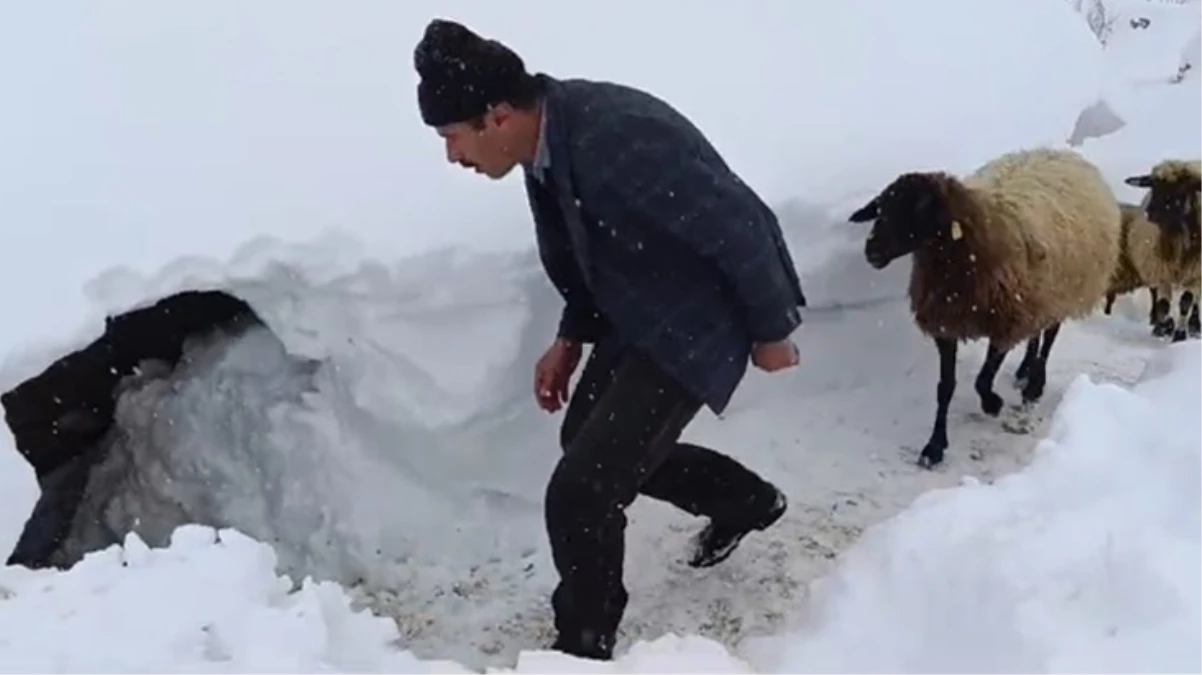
x=1008, y=253
x=1128, y=279
x=1166, y=252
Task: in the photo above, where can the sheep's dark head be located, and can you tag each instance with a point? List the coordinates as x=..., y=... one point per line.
x=1173, y=188
x=910, y=212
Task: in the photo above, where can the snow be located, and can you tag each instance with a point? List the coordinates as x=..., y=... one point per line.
x=1141, y=67
x=1191, y=57
x=1085, y=561
x=379, y=434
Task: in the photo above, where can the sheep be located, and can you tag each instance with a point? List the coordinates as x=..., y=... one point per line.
x=1167, y=255
x=1008, y=253
x=1160, y=274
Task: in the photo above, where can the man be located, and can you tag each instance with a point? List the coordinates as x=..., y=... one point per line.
x=669, y=265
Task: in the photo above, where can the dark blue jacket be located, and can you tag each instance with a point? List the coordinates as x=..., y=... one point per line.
x=653, y=241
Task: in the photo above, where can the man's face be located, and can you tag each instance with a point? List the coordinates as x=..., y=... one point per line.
x=483, y=145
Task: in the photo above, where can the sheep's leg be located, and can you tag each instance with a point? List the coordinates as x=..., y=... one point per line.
x=1185, y=305
x=1162, y=319
x=1109, y=303
x=1024, y=368
x=932, y=454
x=1152, y=311
x=1038, y=378
x=991, y=403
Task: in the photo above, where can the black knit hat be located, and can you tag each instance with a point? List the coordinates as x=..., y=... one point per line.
x=462, y=74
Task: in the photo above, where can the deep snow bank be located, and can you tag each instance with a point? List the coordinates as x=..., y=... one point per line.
x=214, y=605
x=1086, y=561
x=385, y=397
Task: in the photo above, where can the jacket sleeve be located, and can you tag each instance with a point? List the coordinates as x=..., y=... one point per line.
x=654, y=176
x=580, y=320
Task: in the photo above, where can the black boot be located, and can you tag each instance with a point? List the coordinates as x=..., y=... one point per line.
x=719, y=539
x=586, y=644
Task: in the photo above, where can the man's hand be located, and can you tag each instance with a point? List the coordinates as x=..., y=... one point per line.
x=553, y=372
x=774, y=356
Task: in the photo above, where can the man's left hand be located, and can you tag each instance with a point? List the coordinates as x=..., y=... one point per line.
x=774, y=356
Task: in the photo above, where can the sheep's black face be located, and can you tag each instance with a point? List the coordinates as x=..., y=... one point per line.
x=1171, y=203
x=908, y=213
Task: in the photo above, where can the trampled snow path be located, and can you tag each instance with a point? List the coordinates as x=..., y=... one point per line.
x=846, y=458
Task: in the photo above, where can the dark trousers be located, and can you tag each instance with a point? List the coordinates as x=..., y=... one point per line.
x=620, y=439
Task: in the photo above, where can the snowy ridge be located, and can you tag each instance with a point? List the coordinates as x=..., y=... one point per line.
x=318, y=298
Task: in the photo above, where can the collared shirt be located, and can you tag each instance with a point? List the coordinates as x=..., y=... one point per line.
x=542, y=156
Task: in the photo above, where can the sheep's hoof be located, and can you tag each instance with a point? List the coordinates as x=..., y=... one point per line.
x=1163, y=329
x=991, y=403
x=1179, y=336
x=931, y=455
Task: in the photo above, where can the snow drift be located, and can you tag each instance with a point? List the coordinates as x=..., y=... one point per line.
x=379, y=429
x=1086, y=561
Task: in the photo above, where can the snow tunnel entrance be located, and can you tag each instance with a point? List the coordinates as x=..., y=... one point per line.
x=60, y=418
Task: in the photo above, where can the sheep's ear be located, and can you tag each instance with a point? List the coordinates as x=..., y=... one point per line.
x=867, y=212
x=1144, y=181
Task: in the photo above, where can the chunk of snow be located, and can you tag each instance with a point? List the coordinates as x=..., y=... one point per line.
x=210, y=602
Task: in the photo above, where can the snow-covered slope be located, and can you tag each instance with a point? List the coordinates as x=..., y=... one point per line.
x=1142, y=65
x=381, y=433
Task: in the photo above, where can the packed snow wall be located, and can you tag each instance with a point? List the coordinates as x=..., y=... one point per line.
x=255, y=426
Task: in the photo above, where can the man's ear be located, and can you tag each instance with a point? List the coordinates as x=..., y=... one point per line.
x=867, y=212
